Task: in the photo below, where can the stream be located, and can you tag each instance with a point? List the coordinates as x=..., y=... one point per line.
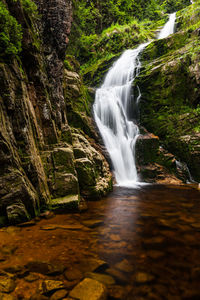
x=145, y=240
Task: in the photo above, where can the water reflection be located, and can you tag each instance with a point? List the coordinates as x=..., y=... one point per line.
x=149, y=239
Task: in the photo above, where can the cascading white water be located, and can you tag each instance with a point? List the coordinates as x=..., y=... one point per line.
x=112, y=106
x=168, y=28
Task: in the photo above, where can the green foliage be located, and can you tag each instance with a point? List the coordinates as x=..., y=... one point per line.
x=95, y=15
x=10, y=33
x=171, y=5
x=29, y=7
x=97, y=52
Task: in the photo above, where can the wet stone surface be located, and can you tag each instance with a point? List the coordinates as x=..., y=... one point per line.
x=135, y=244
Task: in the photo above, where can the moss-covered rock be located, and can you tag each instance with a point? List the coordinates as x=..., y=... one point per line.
x=169, y=82
x=93, y=171
x=146, y=149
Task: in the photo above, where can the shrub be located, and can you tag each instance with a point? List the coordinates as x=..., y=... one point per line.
x=10, y=33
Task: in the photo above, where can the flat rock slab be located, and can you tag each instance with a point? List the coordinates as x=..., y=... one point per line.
x=65, y=227
x=92, y=223
x=48, y=286
x=27, y=224
x=103, y=278
x=89, y=289
x=91, y=265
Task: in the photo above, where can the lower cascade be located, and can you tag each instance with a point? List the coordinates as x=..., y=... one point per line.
x=116, y=109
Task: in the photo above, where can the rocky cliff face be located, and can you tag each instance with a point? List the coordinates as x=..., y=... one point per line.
x=40, y=166
x=169, y=82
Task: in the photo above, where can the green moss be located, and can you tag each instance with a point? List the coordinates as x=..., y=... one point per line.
x=170, y=93
x=68, y=202
x=10, y=33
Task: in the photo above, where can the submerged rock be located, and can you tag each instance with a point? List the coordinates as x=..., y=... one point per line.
x=103, y=278
x=59, y=295
x=45, y=268
x=49, y=286
x=89, y=289
x=143, y=278
x=7, y=285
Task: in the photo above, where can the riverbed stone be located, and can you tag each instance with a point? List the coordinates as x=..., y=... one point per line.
x=73, y=274
x=93, y=265
x=89, y=289
x=58, y=226
x=18, y=270
x=103, y=278
x=117, y=292
x=6, y=297
x=48, y=286
x=117, y=274
x=92, y=223
x=31, y=277
x=38, y=297
x=58, y=295
x=7, y=285
x=17, y=213
x=45, y=268
x=124, y=266
x=142, y=277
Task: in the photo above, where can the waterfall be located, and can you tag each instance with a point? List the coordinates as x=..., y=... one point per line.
x=112, y=108
x=168, y=28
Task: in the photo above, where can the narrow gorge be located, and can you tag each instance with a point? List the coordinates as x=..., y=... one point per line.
x=99, y=149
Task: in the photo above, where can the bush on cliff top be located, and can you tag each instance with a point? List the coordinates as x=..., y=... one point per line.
x=10, y=33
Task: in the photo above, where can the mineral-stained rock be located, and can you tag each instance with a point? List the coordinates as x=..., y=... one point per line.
x=92, y=223
x=59, y=295
x=89, y=289
x=92, y=265
x=18, y=270
x=6, y=297
x=73, y=274
x=142, y=277
x=103, y=278
x=31, y=277
x=38, y=297
x=49, y=286
x=7, y=285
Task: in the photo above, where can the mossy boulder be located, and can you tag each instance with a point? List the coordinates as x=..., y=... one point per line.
x=93, y=171
x=146, y=149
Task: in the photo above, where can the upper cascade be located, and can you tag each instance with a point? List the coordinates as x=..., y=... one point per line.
x=168, y=28
x=116, y=111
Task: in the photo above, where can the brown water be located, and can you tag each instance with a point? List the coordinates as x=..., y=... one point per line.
x=150, y=239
